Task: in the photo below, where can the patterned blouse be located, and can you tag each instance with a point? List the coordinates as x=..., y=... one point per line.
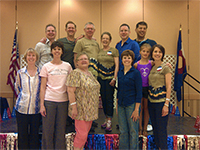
x=86, y=94
x=28, y=89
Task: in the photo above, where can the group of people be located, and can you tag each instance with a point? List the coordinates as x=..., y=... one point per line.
x=64, y=78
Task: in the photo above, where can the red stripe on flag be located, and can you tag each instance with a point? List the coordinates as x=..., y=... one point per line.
x=14, y=64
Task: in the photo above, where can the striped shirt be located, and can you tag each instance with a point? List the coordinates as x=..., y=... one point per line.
x=28, y=89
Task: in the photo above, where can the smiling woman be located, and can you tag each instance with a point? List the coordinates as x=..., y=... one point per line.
x=83, y=90
x=27, y=103
x=159, y=96
x=128, y=101
x=54, y=99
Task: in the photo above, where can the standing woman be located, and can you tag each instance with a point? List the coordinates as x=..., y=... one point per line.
x=108, y=64
x=83, y=90
x=54, y=99
x=129, y=98
x=159, y=96
x=28, y=116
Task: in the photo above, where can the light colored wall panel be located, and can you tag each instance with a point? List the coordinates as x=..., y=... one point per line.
x=116, y=12
x=7, y=29
x=33, y=16
x=194, y=47
x=80, y=12
x=164, y=19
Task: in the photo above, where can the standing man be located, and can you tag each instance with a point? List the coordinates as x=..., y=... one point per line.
x=141, y=30
x=90, y=46
x=69, y=43
x=43, y=49
x=126, y=43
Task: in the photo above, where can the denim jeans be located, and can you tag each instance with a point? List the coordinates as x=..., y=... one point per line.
x=107, y=97
x=128, y=138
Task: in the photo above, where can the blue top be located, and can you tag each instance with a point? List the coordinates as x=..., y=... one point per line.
x=129, y=87
x=128, y=45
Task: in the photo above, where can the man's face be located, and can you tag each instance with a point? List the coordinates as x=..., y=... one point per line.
x=141, y=31
x=124, y=32
x=50, y=33
x=71, y=30
x=89, y=30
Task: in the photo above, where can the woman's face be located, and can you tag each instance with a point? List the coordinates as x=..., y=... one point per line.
x=127, y=61
x=83, y=62
x=157, y=54
x=105, y=40
x=31, y=58
x=56, y=52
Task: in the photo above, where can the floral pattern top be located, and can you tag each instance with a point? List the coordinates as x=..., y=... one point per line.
x=86, y=94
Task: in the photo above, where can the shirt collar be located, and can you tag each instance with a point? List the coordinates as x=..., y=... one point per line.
x=127, y=41
x=24, y=70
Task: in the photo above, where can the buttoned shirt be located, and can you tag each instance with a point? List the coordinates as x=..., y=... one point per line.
x=129, y=87
x=28, y=89
x=128, y=45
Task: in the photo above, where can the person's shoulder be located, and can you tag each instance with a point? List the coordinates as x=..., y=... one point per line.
x=132, y=41
x=40, y=44
x=151, y=42
x=113, y=49
x=22, y=70
x=66, y=63
x=136, y=72
x=118, y=42
x=62, y=39
x=47, y=64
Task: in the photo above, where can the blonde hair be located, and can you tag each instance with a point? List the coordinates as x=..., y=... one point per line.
x=145, y=45
x=30, y=50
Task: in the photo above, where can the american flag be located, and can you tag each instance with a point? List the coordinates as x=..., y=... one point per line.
x=14, y=63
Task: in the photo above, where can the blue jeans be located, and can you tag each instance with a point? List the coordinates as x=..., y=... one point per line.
x=107, y=97
x=128, y=138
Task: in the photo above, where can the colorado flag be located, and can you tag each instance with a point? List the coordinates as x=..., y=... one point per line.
x=180, y=68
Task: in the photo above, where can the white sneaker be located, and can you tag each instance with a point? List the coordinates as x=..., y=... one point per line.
x=149, y=127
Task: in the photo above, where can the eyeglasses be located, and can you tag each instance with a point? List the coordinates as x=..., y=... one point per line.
x=83, y=59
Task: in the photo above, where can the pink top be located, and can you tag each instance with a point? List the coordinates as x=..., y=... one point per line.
x=56, y=75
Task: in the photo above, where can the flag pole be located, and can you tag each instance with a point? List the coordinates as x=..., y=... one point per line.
x=16, y=24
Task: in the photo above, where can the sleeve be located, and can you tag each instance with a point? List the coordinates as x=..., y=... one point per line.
x=18, y=82
x=78, y=47
x=138, y=86
x=44, y=72
x=136, y=49
x=73, y=79
x=38, y=50
x=115, y=53
x=166, y=69
x=70, y=68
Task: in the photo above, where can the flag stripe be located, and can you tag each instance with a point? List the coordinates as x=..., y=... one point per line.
x=14, y=63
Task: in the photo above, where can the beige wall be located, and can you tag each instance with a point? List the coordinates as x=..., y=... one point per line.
x=163, y=18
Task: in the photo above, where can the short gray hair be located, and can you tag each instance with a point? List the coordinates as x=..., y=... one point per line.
x=89, y=23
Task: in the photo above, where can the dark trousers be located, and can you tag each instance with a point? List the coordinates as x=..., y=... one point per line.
x=28, y=130
x=159, y=124
x=107, y=92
